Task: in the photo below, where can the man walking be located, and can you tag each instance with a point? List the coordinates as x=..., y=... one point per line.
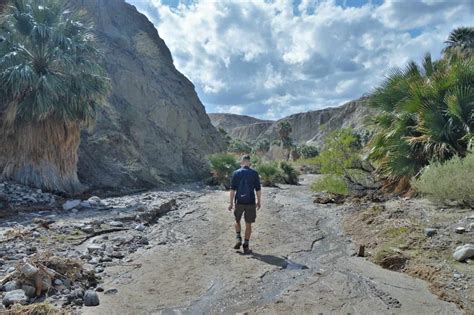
x=245, y=182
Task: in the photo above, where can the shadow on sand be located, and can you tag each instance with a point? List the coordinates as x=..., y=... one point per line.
x=281, y=262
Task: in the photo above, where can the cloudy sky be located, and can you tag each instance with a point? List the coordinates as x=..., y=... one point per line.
x=270, y=59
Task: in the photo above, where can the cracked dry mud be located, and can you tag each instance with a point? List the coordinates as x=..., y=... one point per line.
x=302, y=264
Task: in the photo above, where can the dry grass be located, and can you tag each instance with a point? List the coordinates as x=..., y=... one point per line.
x=34, y=309
x=42, y=154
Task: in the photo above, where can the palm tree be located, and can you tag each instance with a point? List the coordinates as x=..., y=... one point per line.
x=284, y=131
x=426, y=113
x=51, y=83
x=460, y=42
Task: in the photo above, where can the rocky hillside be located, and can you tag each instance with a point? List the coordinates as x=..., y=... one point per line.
x=155, y=128
x=309, y=127
x=229, y=122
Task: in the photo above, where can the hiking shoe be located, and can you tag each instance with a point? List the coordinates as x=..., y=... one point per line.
x=237, y=245
x=247, y=250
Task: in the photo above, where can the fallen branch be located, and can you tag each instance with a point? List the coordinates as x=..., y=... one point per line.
x=101, y=232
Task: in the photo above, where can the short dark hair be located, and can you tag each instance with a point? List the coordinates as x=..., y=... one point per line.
x=246, y=157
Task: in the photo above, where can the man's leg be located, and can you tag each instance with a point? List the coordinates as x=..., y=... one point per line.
x=238, y=215
x=248, y=231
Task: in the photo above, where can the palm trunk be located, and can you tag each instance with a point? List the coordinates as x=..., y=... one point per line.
x=42, y=155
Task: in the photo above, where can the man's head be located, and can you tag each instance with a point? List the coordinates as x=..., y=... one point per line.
x=245, y=161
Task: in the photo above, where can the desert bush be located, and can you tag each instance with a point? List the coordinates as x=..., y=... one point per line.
x=307, y=151
x=239, y=146
x=288, y=173
x=222, y=166
x=340, y=153
x=262, y=146
x=269, y=172
x=452, y=180
x=333, y=184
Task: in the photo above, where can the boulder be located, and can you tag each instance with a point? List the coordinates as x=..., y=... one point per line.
x=71, y=204
x=464, y=252
x=11, y=286
x=91, y=298
x=29, y=290
x=15, y=297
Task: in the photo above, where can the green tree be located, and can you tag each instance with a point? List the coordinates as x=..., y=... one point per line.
x=460, y=43
x=284, y=132
x=340, y=153
x=426, y=113
x=51, y=84
x=262, y=146
x=239, y=146
x=307, y=151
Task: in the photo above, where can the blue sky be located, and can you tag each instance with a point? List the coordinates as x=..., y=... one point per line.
x=272, y=58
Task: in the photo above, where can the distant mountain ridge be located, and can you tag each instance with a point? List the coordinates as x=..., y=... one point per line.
x=308, y=127
x=230, y=121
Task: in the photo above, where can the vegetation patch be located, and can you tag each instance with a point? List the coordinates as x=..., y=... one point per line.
x=452, y=180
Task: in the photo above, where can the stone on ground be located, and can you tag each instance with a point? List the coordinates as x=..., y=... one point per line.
x=464, y=252
x=15, y=297
x=91, y=298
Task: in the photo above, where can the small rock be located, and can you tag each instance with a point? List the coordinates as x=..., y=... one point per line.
x=36, y=234
x=77, y=293
x=58, y=282
x=91, y=298
x=78, y=302
x=95, y=248
x=116, y=223
x=71, y=204
x=11, y=286
x=460, y=230
x=116, y=254
x=430, y=232
x=11, y=269
x=111, y=291
x=464, y=252
x=140, y=227
x=87, y=229
x=29, y=290
x=471, y=226
x=15, y=297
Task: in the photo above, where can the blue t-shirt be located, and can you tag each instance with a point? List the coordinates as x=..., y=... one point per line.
x=252, y=179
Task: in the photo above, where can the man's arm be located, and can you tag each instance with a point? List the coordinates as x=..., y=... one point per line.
x=258, y=189
x=233, y=188
x=259, y=198
x=232, y=197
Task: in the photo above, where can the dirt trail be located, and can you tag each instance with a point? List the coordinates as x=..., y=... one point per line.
x=302, y=264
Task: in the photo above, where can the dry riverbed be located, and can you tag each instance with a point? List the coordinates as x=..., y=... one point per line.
x=170, y=253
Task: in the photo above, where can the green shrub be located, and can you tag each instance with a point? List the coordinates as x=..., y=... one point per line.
x=449, y=181
x=333, y=184
x=307, y=151
x=340, y=152
x=239, y=146
x=289, y=173
x=222, y=166
x=269, y=173
x=262, y=146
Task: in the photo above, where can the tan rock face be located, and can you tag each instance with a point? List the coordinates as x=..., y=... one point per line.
x=154, y=128
x=308, y=127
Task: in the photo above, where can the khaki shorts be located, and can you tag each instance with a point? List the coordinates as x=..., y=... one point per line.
x=249, y=212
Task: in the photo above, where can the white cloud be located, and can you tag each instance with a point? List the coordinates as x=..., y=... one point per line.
x=273, y=58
